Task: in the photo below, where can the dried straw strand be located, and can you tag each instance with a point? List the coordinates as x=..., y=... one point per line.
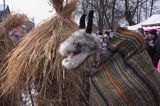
x=38, y=64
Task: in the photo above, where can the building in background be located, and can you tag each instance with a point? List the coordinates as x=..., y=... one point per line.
x=4, y=11
x=28, y=26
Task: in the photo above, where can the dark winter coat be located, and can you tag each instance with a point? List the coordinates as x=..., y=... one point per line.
x=157, y=50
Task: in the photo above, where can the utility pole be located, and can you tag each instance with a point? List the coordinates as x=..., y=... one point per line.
x=4, y=4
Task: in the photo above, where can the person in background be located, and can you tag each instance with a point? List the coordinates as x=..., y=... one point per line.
x=103, y=45
x=158, y=66
x=157, y=50
x=152, y=45
x=104, y=42
x=141, y=31
x=15, y=34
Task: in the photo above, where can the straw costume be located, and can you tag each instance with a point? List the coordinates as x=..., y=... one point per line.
x=6, y=46
x=124, y=77
x=36, y=63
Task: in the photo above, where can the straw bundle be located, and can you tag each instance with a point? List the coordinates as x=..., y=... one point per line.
x=6, y=45
x=36, y=63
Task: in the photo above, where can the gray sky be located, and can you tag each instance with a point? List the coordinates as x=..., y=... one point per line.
x=39, y=9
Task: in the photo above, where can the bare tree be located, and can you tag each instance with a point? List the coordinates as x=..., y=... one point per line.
x=110, y=12
x=105, y=12
x=100, y=8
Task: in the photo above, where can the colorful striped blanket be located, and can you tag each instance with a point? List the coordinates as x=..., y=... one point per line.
x=126, y=76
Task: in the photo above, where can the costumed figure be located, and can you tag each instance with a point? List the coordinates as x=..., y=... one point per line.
x=6, y=46
x=35, y=65
x=125, y=75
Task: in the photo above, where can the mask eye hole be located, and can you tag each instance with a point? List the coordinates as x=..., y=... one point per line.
x=78, y=46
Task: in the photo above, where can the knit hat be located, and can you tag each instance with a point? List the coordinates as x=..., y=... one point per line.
x=153, y=32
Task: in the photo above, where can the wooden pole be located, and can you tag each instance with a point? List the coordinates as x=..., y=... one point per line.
x=4, y=4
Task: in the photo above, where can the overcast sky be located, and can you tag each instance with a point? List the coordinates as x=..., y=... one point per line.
x=39, y=9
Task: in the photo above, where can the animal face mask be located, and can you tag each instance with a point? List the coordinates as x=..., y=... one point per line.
x=79, y=45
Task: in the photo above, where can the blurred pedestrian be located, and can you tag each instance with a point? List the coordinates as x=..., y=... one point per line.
x=152, y=45
x=158, y=66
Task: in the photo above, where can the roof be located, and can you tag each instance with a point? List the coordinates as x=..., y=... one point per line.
x=2, y=7
x=3, y=12
x=152, y=21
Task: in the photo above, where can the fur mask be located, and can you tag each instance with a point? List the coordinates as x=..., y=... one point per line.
x=80, y=44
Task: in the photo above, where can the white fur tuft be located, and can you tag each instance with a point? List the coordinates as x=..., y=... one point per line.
x=67, y=45
x=75, y=61
x=88, y=43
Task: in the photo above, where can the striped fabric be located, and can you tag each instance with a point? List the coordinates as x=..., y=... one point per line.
x=126, y=77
